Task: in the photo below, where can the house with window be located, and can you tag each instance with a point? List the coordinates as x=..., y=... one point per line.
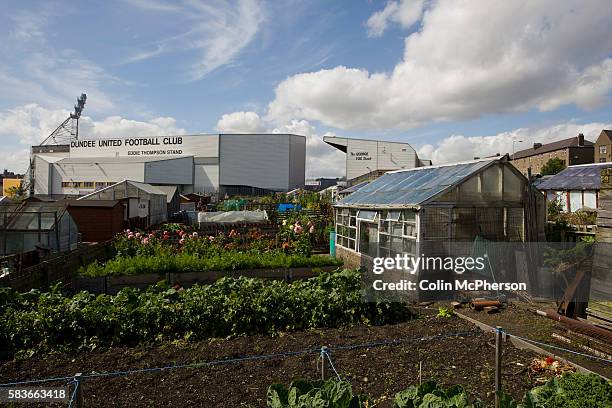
x=575, y=150
x=603, y=147
x=576, y=187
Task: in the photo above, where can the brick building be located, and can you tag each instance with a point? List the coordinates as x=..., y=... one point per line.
x=603, y=147
x=572, y=151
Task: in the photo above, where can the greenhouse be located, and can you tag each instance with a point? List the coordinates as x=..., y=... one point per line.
x=438, y=210
x=38, y=225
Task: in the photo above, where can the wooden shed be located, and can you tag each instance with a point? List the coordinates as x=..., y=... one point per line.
x=97, y=220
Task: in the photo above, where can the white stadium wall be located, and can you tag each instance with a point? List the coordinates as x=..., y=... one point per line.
x=177, y=171
x=259, y=160
x=198, y=163
x=365, y=156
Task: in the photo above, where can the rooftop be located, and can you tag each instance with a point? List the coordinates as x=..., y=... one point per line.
x=551, y=147
x=412, y=187
x=580, y=177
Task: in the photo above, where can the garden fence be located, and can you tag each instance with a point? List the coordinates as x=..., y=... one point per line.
x=75, y=383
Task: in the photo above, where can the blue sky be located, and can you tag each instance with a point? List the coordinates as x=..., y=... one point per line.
x=453, y=78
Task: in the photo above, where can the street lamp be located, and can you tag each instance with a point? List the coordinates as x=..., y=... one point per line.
x=513, y=142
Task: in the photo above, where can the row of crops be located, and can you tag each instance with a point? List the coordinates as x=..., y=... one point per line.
x=175, y=248
x=39, y=322
x=570, y=391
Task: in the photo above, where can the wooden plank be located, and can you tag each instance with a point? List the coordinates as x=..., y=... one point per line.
x=605, y=204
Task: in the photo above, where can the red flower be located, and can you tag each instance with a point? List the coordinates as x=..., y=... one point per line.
x=549, y=360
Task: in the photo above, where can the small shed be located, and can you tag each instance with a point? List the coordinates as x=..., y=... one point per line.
x=576, y=187
x=38, y=225
x=145, y=205
x=97, y=220
x=173, y=199
x=433, y=210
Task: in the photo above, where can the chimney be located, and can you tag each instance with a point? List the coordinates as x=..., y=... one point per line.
x=580, y=139
x=537, y=146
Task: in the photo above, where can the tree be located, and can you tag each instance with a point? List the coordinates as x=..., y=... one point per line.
x=16, y=193
x=552, y=167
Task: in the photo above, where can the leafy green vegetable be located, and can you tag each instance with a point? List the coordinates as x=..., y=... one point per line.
x=429, y=395
x=229, y=307
x=314, y=394
x=445, y=312
x=570, y=391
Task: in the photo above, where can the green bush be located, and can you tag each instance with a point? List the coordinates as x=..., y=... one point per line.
x=222, y=261
x=41, y=322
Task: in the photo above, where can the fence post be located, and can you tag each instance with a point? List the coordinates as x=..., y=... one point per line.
x=323, y=354
x=498, y=364
x=78, y=378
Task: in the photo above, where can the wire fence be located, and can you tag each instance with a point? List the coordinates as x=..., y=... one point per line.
x=75, y=382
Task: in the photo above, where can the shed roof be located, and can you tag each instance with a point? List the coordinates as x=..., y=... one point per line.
x=580, y=177
x=147, y=188
x=93, y=203
x=170, y=191
x=412, y=187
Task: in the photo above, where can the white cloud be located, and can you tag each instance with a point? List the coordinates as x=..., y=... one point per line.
x=322, y=160
x=30, y=124
x=403, y=12
x=216, y=31
x=33, y=70
x=457, y=148
x=468, y=59
x=241, y=122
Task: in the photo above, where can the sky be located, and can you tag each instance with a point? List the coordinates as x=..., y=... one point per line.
x=454, y=78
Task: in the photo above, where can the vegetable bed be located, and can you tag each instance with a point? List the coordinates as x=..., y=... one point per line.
x=379, y=372
x=36, y=322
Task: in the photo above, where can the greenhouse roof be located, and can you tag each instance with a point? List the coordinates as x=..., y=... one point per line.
x=412, y=187
x=147, y=188
x=354, y=188
x=581, y=177
x=35, y=215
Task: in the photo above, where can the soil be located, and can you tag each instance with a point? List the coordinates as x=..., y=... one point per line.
x=378, y=371
x=519, y=318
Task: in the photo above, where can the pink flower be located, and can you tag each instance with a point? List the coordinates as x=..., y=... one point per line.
x=127, y=231
x=211, y=238
x=165, y=232
x=145, y=241
x=130, y=236
x=138, y=234
x=166, y=237
x=298, y=228
x=151, y=235
x=182, y=241
x=181, y=232
x=312, y=229
x=195, y=234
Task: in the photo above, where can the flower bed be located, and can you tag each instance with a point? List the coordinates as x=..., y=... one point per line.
x=176, y=250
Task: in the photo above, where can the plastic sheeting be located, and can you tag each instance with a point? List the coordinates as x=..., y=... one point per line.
x=233, y=216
